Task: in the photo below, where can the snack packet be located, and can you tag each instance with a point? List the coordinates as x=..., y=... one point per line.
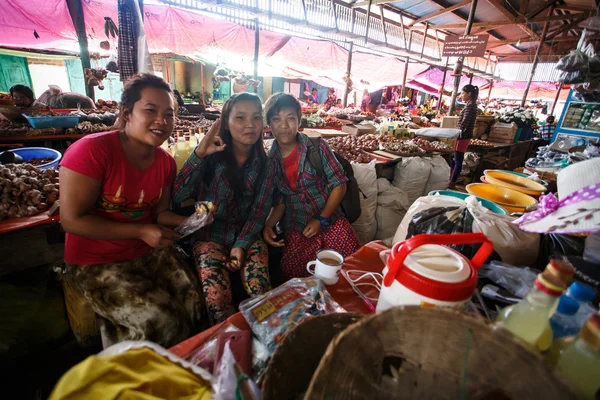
x=203, y=216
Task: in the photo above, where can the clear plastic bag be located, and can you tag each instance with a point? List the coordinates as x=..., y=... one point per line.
x=578, y=76
x=517, y=280
x=203, y=216
x=272, y=315
x=576, y=60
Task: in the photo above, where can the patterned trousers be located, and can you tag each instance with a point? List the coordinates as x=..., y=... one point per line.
x=210, y=258
x=155, y=297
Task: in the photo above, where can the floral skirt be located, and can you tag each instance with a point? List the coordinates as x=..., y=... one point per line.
x=154, y=297
x=299, y=250
x=210, y=258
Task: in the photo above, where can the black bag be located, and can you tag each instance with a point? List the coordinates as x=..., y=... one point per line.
x=351, y=201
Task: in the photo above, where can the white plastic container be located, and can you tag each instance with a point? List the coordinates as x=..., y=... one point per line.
x=422, y=271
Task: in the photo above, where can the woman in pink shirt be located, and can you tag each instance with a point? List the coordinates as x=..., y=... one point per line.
x=115, y=200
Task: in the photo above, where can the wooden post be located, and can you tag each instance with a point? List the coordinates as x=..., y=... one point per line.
x=202, y=76
x=424, y=38
x=76, y=11
x=353, y=20
x=459, y=62
x=368, y=21
x=410, y=34
x=383, y=25
x=404, y=77
x=537, y=57
x=439, y=107
x=471, y=78
x=256, y=48
x=491, y=87
x=348, y=72
x=335, y=17
x=556, y=99
x=403, y=32
x=305, y=13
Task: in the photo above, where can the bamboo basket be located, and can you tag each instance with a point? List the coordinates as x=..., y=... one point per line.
x=292, y=366
x=420, y=353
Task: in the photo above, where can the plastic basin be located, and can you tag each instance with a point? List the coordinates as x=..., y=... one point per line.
x=525, y=176
x=515, y=182
x=27, y=153
x=68, y=121
x=511, y=200
x=493, y=207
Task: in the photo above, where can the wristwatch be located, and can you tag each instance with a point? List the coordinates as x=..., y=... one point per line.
x=325, y=222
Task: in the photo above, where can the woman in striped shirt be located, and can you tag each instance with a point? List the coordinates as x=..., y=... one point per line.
x=466, y=123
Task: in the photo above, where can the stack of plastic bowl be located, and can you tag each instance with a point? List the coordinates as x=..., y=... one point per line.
x=511, y=200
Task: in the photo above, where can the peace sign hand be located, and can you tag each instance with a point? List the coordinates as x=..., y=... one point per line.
x=212, y=142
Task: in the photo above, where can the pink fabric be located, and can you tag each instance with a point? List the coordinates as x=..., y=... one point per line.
x=462, y=145
x=49, y=18
x=516, y=89
x=433, y=77
x=381, y=71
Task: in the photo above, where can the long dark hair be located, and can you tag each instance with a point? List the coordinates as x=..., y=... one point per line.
x=473, y=90
x=231, y=168
x=132, y=93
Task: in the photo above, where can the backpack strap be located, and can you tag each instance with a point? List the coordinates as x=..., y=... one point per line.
x=314, y=156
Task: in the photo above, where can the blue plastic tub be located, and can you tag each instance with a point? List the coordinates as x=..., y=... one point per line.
x=490, y=205
x=27, y=153
x=68, y=121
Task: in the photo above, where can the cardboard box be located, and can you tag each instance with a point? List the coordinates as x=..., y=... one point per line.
x=449, y=122
x=359, y=129
x=503, y=133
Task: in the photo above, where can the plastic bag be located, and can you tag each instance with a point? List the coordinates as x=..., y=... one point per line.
x=446, y=133
x=411, y=176
x=366, y=225
x=591, y=252
x=517, y=280
x=392, y=204
x=576, y=60
x=226, y=380
x=272, y=315
x=555, y=245
x=203, y=216
x=439, y=178
x=572, y=77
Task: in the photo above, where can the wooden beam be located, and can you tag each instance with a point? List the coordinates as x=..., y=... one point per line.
x=441, y=12
x=529, y=39
x=567, y=27
x=335, y=17
x=541, y=8
x=514, y=21
x=562, y=17
x=406, y=61
x=375, y=2
x=383, y=25
x=524, y=7
x=353, y=20
x=403, y=31
x=304, y=8
x=424, y=39
x=574, y=8
x=348, y=73
x=368, y=21
x=76, y=11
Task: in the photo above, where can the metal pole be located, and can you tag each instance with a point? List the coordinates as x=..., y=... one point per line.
x=439, y=107
x=256, y=48
x=404, y=78
x=348, y=72
x=537, y=57
x=471, y=79
x=459, y=63
x=76, y=11
x=556, y=99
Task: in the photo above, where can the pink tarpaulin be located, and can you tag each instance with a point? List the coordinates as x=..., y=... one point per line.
x=433, y=77
x=423, y=88
x=50, y=19
x=516, y=89
x=381, y=71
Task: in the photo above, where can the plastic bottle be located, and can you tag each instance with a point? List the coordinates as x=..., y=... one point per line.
x=579, y=362
x=181, y=153
x=563, y=270
x=563, y=322
x=583, y=294
x=530, y=318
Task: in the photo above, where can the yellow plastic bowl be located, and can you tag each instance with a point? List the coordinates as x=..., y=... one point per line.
x=511, y=200
x=512, y=181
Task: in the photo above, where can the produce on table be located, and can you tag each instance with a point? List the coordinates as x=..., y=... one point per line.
x=108, y=105
x=481, y=143
x=88, y=127
x=312, y=121
x=9, y=128
x=330, y=121
x=39, y=161
x=430, y=146
x=26, y=190
x=351, y=147
x=403, y=147
x=187, y=124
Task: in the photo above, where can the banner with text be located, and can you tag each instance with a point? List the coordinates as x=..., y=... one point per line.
x=465, y=46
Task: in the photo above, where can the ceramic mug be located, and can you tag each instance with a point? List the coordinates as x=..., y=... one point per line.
x=326, y=266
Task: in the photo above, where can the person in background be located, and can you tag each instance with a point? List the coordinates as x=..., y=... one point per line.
x=313, y=98
x=366, y=100
x=339, y=104
x=115, y=196
x=22, y=95
x=308, y=203
x=180, y=104
x=230, y=169
x=546, y=132
x=466, y=123
x=331, y=99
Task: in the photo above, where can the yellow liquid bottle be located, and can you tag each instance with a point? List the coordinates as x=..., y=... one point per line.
x=579, y=362
x=529, y=319
x=181, y=152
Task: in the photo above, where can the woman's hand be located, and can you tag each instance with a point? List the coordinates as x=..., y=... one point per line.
x=269, y=237
x=236, y=259
x=158, y=236
x=212, y=142
x=312, y=229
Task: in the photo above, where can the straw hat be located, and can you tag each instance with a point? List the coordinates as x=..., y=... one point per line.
x=578, y=210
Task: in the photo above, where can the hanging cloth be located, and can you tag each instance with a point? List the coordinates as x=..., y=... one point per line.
x=127, y=39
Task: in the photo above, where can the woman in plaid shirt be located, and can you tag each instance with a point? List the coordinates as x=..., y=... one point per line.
x=230, y=168
x=308, y=203
x=466, y=123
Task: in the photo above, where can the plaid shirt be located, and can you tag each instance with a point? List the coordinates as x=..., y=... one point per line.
x=466, y=120
x=127, y=40
x=546, y=132
x=238, y=222
x=313, y=191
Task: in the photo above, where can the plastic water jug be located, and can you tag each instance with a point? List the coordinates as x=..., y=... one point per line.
x=422, y=271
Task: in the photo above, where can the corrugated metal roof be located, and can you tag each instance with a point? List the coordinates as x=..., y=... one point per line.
x=545, y=72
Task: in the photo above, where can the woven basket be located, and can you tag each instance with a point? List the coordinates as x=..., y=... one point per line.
x=419, y=353
x=292, y=366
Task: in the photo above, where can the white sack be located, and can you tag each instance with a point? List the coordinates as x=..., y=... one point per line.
x=439, y=177
x=391, y=207
x=411, y=176
x=366, y=225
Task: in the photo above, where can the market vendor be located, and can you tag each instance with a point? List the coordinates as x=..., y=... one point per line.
x=115, y=193
x=366, y=100
x=466, y=124
x=313, y=98
x=180, y=104
x=546, y=132
x=308, y=203
x=22, y=95
x=331, y=99
x=230, y=168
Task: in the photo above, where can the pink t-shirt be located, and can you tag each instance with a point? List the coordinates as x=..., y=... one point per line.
x=128, y=195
